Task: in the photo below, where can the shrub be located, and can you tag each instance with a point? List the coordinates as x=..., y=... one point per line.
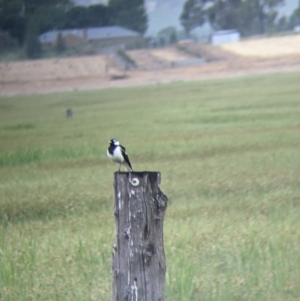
x=7, y=43
x=130, y=63
x=173, y=37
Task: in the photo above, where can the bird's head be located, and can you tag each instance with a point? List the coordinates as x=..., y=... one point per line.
x=114, y=142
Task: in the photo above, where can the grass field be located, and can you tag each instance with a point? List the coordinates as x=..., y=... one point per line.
x=229, y=154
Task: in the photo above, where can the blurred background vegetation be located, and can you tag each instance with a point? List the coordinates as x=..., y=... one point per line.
x=22, y=21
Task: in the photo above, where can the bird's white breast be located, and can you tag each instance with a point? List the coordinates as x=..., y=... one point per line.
x=117, y=156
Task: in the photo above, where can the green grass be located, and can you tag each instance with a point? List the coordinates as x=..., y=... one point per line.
x=229, y=154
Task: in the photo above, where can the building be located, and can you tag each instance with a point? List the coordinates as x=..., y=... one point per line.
x=202, y=33
x=225, y=36
x=104, y=36
x=297, y=28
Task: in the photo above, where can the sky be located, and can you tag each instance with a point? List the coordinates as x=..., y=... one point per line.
x=164, y=13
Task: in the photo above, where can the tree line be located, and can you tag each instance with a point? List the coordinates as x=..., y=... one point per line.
x=250, y=17
x=21, y=21
x=20, y=18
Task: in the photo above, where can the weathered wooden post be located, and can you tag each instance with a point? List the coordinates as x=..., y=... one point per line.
x=139, y=259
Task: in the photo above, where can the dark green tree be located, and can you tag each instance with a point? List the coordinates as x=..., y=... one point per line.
x=173, y=37
x=225, y=14
x=13, y=24
x=193, y=14
x=295, y=17
x=15, y=14
x=48, y=18
x=83, y=17
x=7, y=43
x=169, y=34
x=30, y=6
x=267, y=13
x=282, y=24
x=248, y=16
x=33, y=48
x=77, y=17
x=27, y=7
x=99, y=15
x=130, y=14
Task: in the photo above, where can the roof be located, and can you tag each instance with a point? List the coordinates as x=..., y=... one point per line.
x=94, y=33
x=110, y=32
x=225, y=32
x=50, y=36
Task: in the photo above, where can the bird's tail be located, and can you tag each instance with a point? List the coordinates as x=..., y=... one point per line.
x=127, y=167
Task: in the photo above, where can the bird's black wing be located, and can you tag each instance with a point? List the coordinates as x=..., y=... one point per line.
x=123, y=149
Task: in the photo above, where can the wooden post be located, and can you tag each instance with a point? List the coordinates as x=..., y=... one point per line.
x=139, y=259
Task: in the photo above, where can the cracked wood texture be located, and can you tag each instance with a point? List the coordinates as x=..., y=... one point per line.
x=139, y=259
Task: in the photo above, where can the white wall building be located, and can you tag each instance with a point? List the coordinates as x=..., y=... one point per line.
x=225, y=36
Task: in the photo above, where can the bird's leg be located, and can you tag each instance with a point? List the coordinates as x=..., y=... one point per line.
x=119, y=167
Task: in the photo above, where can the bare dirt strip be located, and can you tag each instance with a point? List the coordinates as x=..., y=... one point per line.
x=98, y=72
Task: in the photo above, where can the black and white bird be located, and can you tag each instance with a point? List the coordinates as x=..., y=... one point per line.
x=117, y=154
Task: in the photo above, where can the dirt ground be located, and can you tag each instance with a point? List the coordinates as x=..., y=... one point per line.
x=98, y=72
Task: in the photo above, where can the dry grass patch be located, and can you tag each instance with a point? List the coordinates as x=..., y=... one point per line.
x=53, y=69
x=266, y=47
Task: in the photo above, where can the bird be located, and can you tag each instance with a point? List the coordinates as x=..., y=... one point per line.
x=117, y=154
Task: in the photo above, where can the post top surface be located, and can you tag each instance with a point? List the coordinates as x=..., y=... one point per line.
x=137, y=172
x=131, y=176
